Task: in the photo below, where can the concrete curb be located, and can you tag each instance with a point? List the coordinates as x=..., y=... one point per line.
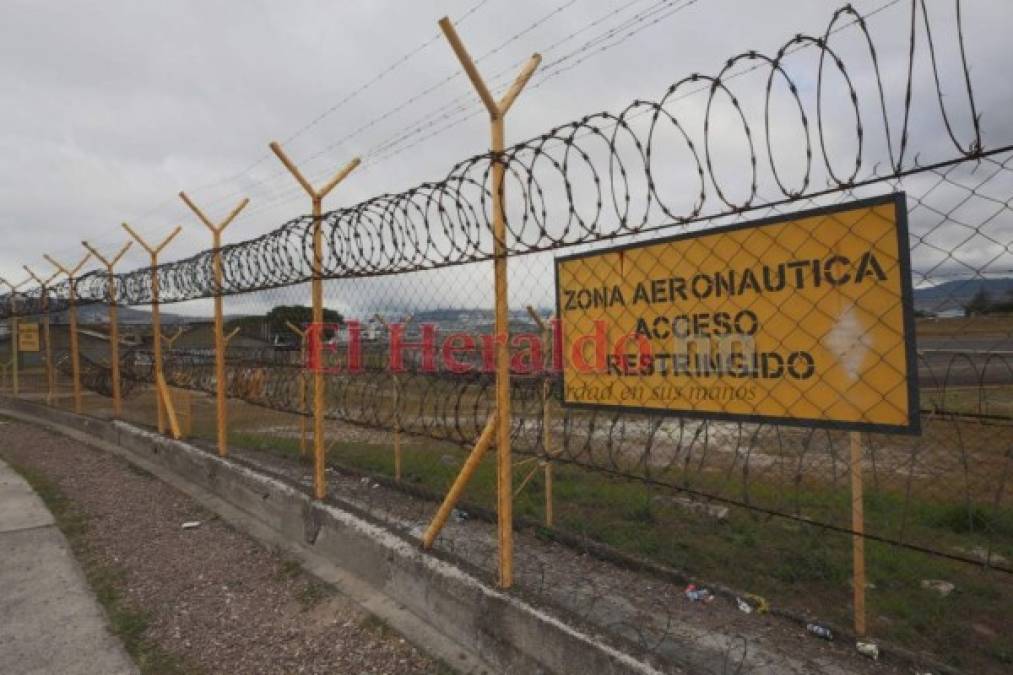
x=50, y=620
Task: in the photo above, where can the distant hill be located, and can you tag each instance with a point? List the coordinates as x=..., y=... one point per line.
x=98, y=313
x=953, y=295
x=948, y=296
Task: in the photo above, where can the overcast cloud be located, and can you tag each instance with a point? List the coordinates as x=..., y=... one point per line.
x=112, y=107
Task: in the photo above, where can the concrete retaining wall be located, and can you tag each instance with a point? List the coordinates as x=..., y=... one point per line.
x=509, y=634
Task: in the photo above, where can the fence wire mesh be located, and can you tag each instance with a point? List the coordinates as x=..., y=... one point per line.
x=618, y=509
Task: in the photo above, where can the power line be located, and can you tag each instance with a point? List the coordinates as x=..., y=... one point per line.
x=455, y=107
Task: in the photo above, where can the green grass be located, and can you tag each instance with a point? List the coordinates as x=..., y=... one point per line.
x=377, y=626
x=791, y=563
x=312, y=593
x=974, y=400
x=289, y=569
x=107, y=581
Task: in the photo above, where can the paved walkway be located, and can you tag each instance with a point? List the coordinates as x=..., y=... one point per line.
x=50, y=621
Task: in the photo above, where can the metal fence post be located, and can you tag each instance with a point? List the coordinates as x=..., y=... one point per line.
x=858, y=528
x=216, y=262
x=497, y=113
x=114, y=328
x=50, y=374
x=317, y=198
x=397, y=404
x=302, y=386
x=75, y=359
x=546, y=413
x=14, y=332
x=156, y=324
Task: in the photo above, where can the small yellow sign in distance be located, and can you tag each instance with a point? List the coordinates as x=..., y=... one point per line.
x=803, y=319
x=28, y=337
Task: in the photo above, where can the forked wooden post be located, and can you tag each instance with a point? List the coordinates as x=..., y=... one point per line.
x=216, y=262
x=114, y=328
x=50, y=373
x=317, y=199
x=546, y=413
x=156, y=323
x=13, y=288
x=497, y=112
x=858, y=538
x=302, y=386
x=397, y=404
x=75, y=358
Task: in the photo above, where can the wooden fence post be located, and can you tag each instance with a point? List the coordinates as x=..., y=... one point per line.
x=497, y=112
x=317, y=198
x=216, y=262
x=156, y=324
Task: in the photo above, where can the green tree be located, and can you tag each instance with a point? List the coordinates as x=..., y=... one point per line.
x=276, y=318
x=298, y=315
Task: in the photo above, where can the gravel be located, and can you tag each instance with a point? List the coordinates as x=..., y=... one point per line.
x=213, y=596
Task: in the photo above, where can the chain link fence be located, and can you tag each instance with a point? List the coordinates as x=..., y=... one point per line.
x=749, y=489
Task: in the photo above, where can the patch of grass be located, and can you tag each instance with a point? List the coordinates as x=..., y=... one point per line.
x=965, y=519
x=377, y=626
x=641, y=513
x=289, y=569
x=312, y=593
x=812, y=565
x=791, y=563
x=107, y=581
x=1002, y=651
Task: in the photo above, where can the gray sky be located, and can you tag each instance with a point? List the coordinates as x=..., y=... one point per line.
x=112, y=107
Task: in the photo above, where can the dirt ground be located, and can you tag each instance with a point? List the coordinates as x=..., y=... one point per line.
x=212, y=599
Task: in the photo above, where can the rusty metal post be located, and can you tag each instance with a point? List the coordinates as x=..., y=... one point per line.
x=75, y=358
x=156, y=323
x=216, y=262
x=114, y=328
x=497, y=112
x=319, y=403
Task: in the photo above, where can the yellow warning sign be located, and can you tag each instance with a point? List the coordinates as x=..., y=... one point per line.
x=801, y=319
x=28, y=337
